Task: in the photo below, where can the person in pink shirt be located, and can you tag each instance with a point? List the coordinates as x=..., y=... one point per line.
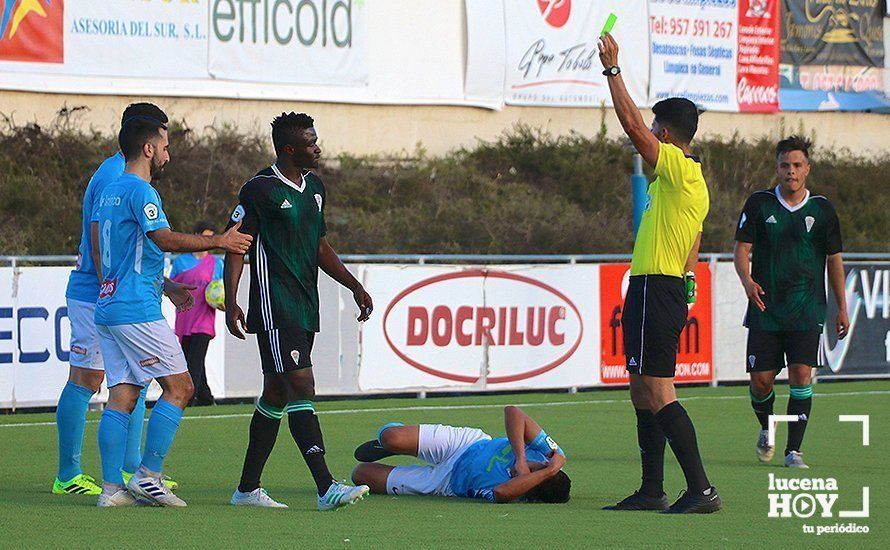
x=195, y=327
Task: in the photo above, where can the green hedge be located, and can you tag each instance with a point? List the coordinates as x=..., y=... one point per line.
x=526, y=192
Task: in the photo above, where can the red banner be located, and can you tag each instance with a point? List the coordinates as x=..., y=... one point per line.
x=695, y=358
x=32, y=30
x=757, y=84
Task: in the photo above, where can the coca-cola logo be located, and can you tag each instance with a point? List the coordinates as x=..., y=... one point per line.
x=108, y=288
x=455, y=318
x=555, y=12
x=749, y=94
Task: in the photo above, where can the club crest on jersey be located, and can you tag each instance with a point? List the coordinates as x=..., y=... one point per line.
x=318, y=201
x=151, y=211
x=237, y=213
x=809, y=220
x=108, y=288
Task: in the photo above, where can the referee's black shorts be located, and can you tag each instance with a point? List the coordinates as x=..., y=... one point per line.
x=654, y=315
x=285, y=350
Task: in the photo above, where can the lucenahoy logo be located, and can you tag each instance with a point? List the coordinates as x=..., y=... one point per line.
x=454, y=318
x=555, y=12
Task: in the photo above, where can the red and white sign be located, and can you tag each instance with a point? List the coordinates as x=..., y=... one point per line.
x=757, y=85
x=695, y=357
x=488, y=328
x=551, y=50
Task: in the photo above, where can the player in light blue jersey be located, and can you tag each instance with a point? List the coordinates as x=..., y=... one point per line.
x=86, y=371
x=525, y=466
x=137, y=344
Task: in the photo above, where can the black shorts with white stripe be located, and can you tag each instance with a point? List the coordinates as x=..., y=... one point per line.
x=653, y=317
x=285, y=350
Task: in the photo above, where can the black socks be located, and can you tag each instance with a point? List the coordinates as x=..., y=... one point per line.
x=763, y=407
x=263, y=433
x=651, y=440
x=306, y=431
x=680, y=433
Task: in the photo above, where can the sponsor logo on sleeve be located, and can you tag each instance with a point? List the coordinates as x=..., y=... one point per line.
x=151, y=211
x=238, y=213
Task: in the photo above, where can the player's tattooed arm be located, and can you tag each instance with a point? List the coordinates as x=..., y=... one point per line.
x=180, y=294
x=235, y=321
x=230, y=241
x=521, y=429
x=518, y=486
x=628, y=115
x=836, y=280
x=330, y=263
x=95, y=251
x=742, y=262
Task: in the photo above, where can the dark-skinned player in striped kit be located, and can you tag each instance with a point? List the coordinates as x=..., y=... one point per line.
x=283, y=208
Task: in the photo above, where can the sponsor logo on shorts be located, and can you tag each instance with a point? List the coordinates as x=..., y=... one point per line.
x=108, y=288
x=79, y=350
x=149, y=362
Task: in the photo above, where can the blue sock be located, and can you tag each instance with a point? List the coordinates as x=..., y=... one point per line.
x=162, y=426
x=71, y=414
x=133, y=457
x=113, y=444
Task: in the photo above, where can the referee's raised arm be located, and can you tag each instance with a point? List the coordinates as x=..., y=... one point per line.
x=655, y=307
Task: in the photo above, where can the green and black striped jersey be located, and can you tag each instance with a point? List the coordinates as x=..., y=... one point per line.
x=789, y=247
x=286, y=219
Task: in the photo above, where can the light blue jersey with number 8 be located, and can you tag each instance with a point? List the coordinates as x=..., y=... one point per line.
x=132, y=264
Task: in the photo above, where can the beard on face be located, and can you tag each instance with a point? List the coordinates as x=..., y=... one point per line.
x=157, y=169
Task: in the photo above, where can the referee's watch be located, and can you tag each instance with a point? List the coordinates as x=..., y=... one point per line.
x=614, y=70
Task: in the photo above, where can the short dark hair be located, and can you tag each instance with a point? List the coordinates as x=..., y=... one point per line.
x=679, y=115
x=203, y=226
x=135, y=132
x=287, y=128
x=149, y=110
x=552, y=491
x=794, y=143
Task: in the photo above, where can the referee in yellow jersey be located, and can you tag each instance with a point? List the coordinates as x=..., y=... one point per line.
x=655, y=308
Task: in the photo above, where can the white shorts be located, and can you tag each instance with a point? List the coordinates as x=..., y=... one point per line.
x=84, y=346
x=136, y=354
x=440, y=447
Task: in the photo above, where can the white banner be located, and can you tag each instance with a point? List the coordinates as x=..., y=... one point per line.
x=694, y=47
x=501, y=327
x=289, y=41
x=124, y=38
x=552, y=53
x=345, y=51
x=35, y=333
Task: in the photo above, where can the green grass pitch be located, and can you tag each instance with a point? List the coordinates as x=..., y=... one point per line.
x=595, y=428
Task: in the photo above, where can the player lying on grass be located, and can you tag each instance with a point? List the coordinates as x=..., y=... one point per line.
x=525, y=466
